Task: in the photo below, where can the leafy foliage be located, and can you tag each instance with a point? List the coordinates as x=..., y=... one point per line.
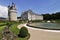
x=52, y=16
x=23, y=32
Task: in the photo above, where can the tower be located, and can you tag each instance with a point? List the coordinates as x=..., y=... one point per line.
x=12, y=14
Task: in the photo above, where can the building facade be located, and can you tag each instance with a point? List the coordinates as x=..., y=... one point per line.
x=30, y=15
x=12, y=14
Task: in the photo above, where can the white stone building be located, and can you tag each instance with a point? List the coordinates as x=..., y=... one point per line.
x=12, y=14
x=29, y=15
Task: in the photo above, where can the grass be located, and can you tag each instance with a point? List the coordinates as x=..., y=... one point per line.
x=15, y=30
x=2, y=26
x=57, y=21
x=22, y=39
x=1, y=29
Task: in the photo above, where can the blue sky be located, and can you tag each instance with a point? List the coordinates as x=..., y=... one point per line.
x=38, y=6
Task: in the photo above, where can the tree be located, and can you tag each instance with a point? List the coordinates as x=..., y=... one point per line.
x=52, y=16
x=47, y=16
x=57, y=14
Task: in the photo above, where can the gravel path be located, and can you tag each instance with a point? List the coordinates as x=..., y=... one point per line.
x=42, y=34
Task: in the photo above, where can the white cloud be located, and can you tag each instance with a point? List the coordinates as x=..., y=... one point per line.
x=3, y=11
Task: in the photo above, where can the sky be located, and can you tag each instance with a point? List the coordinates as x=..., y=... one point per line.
x=37, y=6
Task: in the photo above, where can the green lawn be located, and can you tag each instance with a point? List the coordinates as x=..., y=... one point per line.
x=1, y=29
x=2, y=26
x=15, y=30
x=22, y=39
x=57, y=21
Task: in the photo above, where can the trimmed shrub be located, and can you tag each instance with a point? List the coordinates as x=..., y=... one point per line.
x=23, y=32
